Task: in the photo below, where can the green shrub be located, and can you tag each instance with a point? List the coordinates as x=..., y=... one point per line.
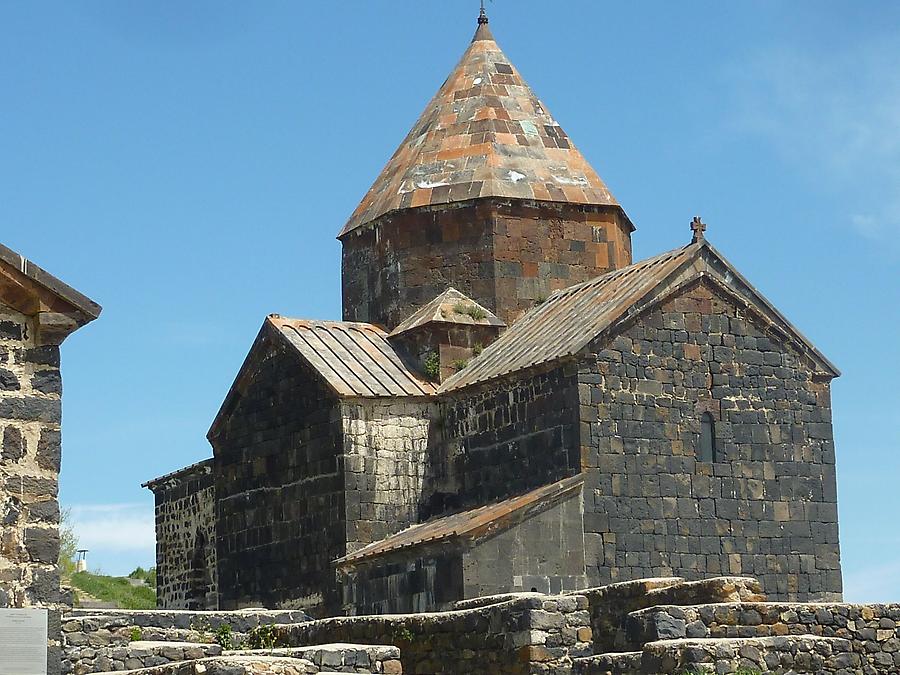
x=477, y=349
x=136, y=634
x=224, y=636
x=201, y=627
x=459, y=364
x=262, y=637
x=432, y=365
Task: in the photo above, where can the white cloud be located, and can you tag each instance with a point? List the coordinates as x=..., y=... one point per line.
x=104, y=528
x=835, y=116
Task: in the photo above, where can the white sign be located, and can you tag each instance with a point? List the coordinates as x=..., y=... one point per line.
x=23, y=642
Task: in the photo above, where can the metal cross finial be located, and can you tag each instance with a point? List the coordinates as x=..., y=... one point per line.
x=482, y=16
x=698, y=227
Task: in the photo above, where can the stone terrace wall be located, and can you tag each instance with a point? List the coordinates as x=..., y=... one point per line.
x=767, y=507
x=612, y=605
x=30, y=415
x=323, y=659
x=96, y=641
x=385, y=446
x=794, y=655
x=186, y=572
x=534, y=634
x=505, y=439
x=873, y=631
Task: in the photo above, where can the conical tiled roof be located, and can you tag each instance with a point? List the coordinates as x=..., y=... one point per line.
x=484, y=134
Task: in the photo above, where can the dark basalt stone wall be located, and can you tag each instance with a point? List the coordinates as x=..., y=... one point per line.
x=766, y=507
x=504, y=439
x=504, y=254
x=186, y=565
x=280, y=488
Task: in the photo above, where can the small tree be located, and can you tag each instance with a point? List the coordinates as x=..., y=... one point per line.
x=68, y=546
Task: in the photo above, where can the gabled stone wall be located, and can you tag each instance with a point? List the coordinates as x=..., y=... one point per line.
x=767, y=507
x=30, y=415
x=280, y=488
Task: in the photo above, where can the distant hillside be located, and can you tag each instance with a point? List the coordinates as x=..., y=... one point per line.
x=123, y=592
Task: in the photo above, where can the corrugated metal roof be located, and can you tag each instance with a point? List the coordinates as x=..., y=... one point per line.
x=484, y=134
x=470, y=524
x=451, y=306
x=569, y=319
x=355, y=359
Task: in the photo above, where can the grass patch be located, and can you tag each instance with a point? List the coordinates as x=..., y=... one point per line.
x=115, y=589
x=471, y=310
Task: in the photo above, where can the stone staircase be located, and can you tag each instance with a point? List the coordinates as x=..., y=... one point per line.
x=724, y=625
x=184, y=643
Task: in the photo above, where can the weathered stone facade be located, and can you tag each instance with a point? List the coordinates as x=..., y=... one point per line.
x=187, y=568
x=534, y=542
x=766, y=506
x=279, y=487
x=519, y=346
x=384, y=448
x=37, y=312
x=505, y=254
x=501, y=440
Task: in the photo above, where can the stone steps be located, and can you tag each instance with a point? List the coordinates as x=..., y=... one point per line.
x=321, y=659
x=613, y=663
x=797, y=654
x=138, y=654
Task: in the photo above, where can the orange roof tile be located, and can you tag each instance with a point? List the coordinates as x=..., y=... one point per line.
x=484, y=134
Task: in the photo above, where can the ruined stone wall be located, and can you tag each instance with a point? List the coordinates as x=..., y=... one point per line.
x=385, y=446
x=544, y=553
x=504, y=439
x=872, y=631
x=504, y=254
x=186, y=566
x=279, y=488
x=30, y=415
x=532, y=634
x=767, y=506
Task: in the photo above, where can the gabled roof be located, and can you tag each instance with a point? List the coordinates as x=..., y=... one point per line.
x=46, y=292
x=572, y=317
x=453, y=307
x=470, y=525
x=484, y=134
x=355, y=360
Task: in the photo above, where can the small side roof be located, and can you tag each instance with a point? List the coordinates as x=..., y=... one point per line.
x=451, y=306
x=355, y=359
x=470, y=525
x=572, y=317
x=203, y=467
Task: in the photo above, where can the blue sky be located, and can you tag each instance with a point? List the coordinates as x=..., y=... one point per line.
x=188, y=166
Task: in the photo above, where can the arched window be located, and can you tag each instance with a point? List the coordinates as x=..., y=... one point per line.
x=707, y=451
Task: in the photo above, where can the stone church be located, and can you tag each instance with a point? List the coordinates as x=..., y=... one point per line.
x=510, y=402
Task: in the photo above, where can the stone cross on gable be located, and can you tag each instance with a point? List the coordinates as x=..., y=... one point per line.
x=698, y=227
